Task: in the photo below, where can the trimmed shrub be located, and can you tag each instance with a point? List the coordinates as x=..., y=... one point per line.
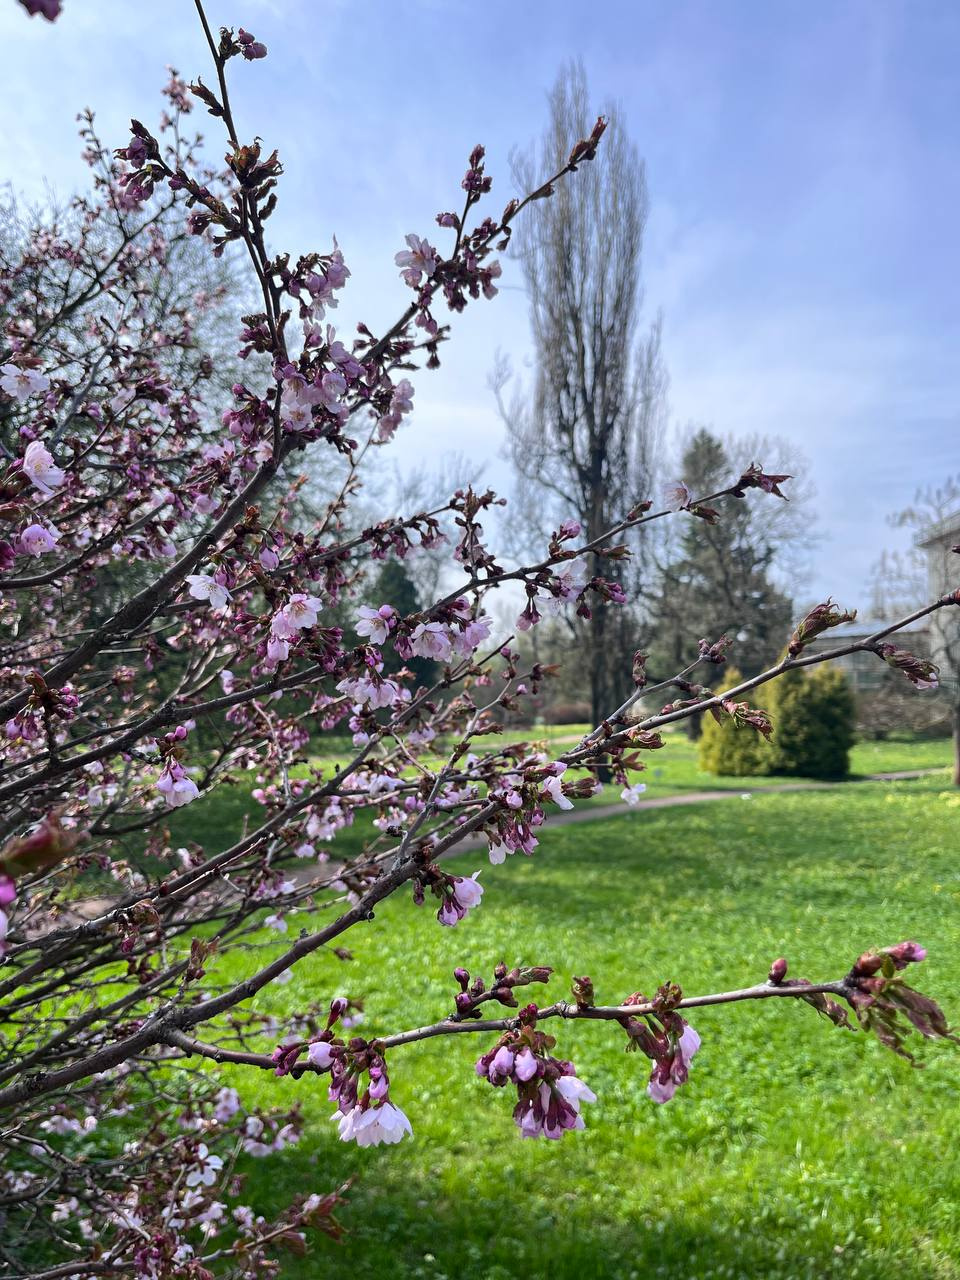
x=813, y=724
x=813, y=717
x=731, y=750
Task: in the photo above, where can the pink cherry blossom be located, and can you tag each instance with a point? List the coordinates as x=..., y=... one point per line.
x=277, y=650
x=575, y=1091
x=21, y=384
x=37, y=539
x=204, y=587
x=373, y=1126
x=401, y=403
x=319, y=1054
x=8, y=890
x=476, y=631
x=333, y=386
x=175, y=787
x=567, y=585
x=676, y=496
x=419, y=260
x=40, y=468
x=299, y=613
x=631, y=795
x=228, y=1104
x=902, y=954
x=671, y=1071
x=297, y=401
x=552, y=787
x=465, y=896
x=431, y=640
x=525, y=1065
x=501, y=1066
x=207, y=1169
x=373, y=691
x=497, y=852
x=552, y=1108
x=376, y=623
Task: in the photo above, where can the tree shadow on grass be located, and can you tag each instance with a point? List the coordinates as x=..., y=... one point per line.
x=404, y=1224
x=709, y=1192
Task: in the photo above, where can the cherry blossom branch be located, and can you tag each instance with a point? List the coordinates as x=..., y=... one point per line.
x=561, y=1009
x=868, y=645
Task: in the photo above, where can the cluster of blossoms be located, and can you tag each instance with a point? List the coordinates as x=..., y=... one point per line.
x=549, y=1093
x=672, y=1051
x=522, y=811
x=174, y=784
x=460, y=895
x=460, y=632
x=300, y=613
x=37, y=465
x=365, y=1113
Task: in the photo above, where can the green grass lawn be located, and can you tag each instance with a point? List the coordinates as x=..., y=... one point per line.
x=674, y=770
x=217, y=819
x=796, y=1149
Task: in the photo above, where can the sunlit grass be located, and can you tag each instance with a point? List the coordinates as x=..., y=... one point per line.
x=796, y=1150
x=217, y=819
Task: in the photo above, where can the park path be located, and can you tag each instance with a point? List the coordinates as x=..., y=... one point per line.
x=88, y=908
x=595, y=813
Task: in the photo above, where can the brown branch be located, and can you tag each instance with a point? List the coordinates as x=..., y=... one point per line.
x=455, y=1026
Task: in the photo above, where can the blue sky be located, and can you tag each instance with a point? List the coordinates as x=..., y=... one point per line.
x=803, y=170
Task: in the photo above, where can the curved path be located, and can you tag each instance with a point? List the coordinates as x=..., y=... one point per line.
x=85, y=908
x=596, y=812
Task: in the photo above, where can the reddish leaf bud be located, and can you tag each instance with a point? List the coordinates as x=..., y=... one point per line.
x=869, y=963
x=583, y=991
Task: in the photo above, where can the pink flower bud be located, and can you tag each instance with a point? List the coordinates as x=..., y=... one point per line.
x=525, y=1067
x=502, y=1063
x=319, y=1054
x=902, y=954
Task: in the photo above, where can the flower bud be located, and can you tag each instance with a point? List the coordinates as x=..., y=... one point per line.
x=778, y=971
x=583, y=991
x=905, y=953
x=338, y=1007
x=870, y=962
x=532, y=973
x=319, y=1054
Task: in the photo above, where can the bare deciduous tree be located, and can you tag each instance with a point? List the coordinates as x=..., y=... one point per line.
x=928, y=566
x=582, y=436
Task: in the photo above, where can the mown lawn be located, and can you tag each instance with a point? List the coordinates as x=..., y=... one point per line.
x=217, y=819
x=796, y=1150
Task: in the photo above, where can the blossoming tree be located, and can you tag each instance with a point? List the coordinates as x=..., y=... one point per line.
x=214, y=656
